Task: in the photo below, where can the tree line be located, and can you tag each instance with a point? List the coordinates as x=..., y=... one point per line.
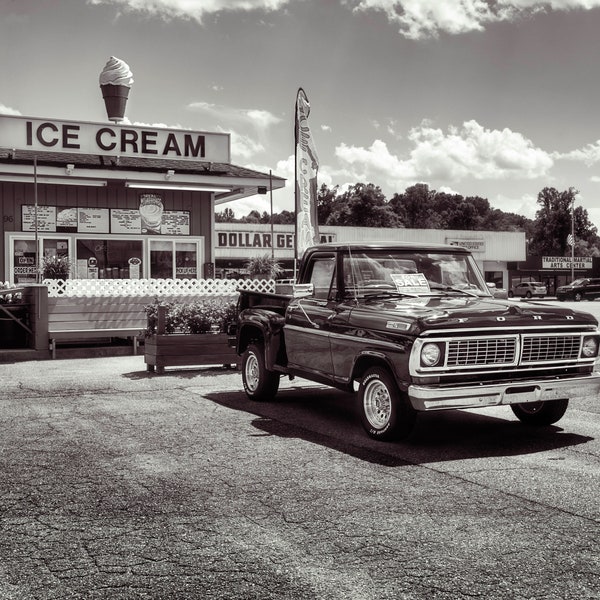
x=419, y=207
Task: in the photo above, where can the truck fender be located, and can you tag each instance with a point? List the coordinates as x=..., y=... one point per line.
x=369, y=357
x=264, y=326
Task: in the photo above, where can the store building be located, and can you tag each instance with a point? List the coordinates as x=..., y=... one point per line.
x=118, y=201
x=235, y=243
x=554, y=271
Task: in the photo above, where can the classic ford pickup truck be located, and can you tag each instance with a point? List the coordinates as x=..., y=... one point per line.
x=412, y=328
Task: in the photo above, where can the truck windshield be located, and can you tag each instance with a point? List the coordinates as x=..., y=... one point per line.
x=411, y=272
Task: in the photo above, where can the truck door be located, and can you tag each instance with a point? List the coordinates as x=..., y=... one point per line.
x=307, y=319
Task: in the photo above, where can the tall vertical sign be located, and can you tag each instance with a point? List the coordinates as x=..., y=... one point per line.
x=307, y=165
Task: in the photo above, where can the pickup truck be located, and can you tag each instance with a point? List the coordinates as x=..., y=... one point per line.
x=411, y=328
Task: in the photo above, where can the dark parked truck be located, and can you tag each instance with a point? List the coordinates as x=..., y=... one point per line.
x=413, y=328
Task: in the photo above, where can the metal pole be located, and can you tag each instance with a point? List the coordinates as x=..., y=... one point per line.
x=35, y=216
x=271, y=220
x=573, y=240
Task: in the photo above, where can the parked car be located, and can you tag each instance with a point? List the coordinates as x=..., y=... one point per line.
x=580, y=289
x=528, y=289
x=496, y=291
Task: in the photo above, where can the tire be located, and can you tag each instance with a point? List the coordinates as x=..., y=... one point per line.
x=541, y=413
x=385, y=413
x=259, y=383
x=528, y=295
x=511, y=294
x=578, y=297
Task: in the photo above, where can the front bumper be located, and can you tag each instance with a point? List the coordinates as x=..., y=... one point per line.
x=426, y=398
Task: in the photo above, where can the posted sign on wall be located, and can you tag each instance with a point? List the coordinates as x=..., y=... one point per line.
x=564, y=262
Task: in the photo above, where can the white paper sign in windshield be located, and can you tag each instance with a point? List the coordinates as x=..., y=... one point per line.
x=411, y=283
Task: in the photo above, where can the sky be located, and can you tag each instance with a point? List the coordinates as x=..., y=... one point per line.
x=490, y=98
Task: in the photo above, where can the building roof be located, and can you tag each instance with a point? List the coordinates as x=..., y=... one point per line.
x=240, y=180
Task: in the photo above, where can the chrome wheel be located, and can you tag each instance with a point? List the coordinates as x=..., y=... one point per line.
x=252, y=372
x=377, y=404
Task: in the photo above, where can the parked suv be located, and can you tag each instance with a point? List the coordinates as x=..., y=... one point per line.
x=580, y=289
x=528, y=289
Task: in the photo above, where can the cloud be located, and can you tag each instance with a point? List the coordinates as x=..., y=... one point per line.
x=526, y=205
x=192, y=9
x=260, y=120
x=451, y=156
x=243, y=147
x=589, y=155
x=6, y=110
x=419, y=19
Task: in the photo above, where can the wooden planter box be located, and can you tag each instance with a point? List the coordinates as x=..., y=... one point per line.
x=187, y=349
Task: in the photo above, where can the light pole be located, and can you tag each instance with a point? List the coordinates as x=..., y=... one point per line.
x=573, y=240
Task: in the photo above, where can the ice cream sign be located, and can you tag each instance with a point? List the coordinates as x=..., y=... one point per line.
x=24, y=133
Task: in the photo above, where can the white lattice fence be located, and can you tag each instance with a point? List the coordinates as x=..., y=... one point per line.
x=59, y=288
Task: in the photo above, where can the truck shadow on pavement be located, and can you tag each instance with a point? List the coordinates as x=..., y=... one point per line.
x=330, y=418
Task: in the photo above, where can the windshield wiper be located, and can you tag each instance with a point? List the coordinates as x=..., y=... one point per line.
x=449, y=288
x=389, y=294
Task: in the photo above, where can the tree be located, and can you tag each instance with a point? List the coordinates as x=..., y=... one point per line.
x=226, y=216
x=414, y=207
x=553, y=224
x=325, y=201
x=362, y=205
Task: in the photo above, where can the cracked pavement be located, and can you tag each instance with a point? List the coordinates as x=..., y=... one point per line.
x=117, y=484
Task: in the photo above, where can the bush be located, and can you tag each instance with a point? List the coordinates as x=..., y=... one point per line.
x=199, y=316
x=263, y=265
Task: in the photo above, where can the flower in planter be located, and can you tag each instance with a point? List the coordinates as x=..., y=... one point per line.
x=200, y=316
x=56, y=267
x=265, y=265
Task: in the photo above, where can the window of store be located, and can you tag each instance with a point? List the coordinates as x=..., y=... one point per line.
x=109, y=259
x=172, y=259
x=125, y=257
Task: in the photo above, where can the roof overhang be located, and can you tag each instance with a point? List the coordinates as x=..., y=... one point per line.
x=225, y=181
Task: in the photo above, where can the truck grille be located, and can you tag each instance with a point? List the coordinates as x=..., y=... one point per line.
x=512, y=350
x=550, y=348
x=468, y=352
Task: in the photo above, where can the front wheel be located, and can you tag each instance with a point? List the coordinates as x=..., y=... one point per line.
x=386, y=413
x=541, y=413
x=259, y=383
x=578, y=297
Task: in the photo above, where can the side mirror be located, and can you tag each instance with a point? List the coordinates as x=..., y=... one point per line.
x=303, y=290
x=490, y=284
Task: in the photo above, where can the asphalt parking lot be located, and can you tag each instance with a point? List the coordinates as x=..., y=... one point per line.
x=118, y=484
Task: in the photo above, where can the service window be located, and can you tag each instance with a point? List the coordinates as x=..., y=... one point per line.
x=109, y=259
x=173, y=259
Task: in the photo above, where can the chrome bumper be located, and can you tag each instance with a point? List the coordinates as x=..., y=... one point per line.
x=426, y=398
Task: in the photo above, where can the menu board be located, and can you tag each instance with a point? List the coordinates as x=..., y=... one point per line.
x=46, y=218
x=93, y=220
x=125, y=221
x=52, y=219
x=175, y=223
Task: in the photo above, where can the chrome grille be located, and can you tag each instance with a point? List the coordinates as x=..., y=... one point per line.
x=470, y=352
x=550, y=348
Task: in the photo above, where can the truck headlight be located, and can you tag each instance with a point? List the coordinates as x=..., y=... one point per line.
x=431, y=354
x=589, y=348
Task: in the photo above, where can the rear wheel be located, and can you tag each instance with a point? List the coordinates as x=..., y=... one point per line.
x=386, y=413
x=259, y=383
x=541, y=413
x=577, y=297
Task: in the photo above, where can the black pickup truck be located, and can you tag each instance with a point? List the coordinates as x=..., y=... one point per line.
x=413, y=328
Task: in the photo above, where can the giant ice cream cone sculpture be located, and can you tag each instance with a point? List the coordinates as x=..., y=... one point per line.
x=115, y=82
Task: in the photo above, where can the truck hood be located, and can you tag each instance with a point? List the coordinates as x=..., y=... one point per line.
x=456, y=312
